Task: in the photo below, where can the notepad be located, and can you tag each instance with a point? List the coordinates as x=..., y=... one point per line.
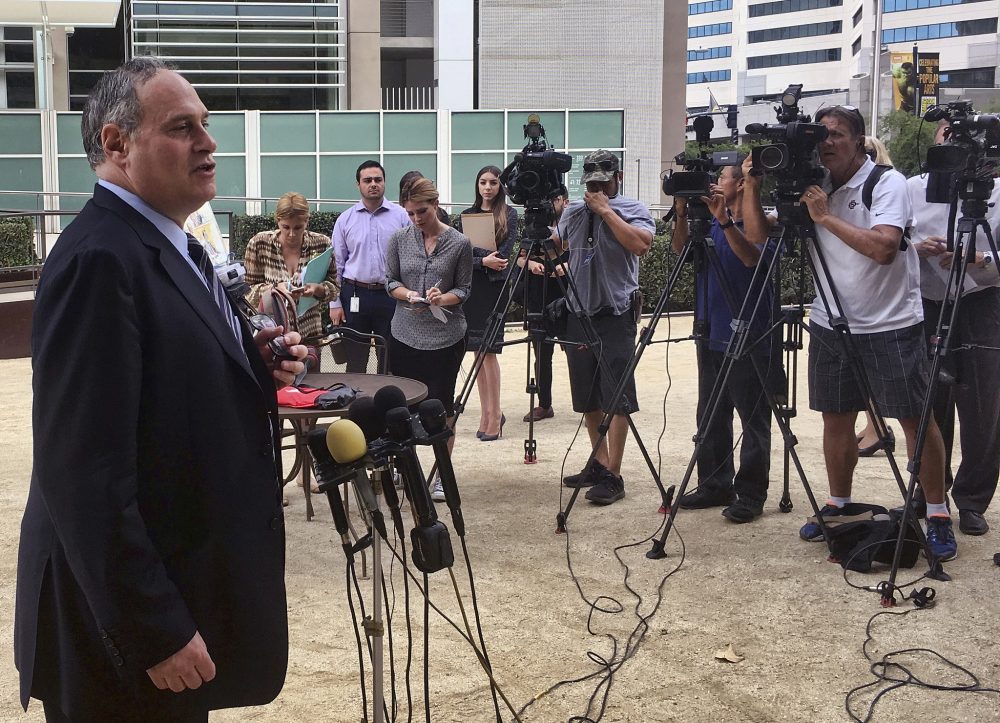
x=315, y=272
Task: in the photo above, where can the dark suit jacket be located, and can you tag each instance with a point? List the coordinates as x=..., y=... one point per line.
x=155, y=503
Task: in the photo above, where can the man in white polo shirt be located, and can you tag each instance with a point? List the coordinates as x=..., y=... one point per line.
x=877, y=281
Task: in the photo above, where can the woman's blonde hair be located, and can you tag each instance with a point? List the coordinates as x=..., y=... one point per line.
x=877, y=151
x=291, y=205
x=420, y=190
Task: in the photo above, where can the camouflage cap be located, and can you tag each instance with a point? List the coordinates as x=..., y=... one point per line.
x=600, y=166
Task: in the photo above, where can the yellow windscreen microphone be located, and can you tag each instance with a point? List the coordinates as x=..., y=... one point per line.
x=346, y=441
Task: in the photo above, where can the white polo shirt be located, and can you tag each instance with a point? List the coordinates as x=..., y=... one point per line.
x=874, y=297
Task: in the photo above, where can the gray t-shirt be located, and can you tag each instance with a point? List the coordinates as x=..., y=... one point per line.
x=449, y=268
x=604, y=271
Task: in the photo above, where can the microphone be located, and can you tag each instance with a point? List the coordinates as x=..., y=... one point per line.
x=324, y=469
x=388, y=398
x=756, y=128
x=364, y=412
x=346, y=444
x=434, y=419
x=431, y=545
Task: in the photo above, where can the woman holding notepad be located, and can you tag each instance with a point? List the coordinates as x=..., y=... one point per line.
x=489, y=269
x=279, y=258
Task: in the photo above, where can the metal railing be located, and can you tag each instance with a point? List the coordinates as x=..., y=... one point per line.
x=414, y=97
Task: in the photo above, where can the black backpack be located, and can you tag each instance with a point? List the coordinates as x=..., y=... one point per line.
x=869, y=189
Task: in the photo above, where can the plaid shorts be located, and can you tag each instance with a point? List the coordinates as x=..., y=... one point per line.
x=895, y=362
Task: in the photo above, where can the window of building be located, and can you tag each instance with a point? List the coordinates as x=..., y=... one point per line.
x=958, y=29
x=701, y=31
x=709, y=76
x=17, y=67
x=858, y=15
x=794, y=31
x=808, y=56
x=791, y=6
x=895, y=6
x=722, y=51
x=968, y=78
x=856, y=46
x=712, y=6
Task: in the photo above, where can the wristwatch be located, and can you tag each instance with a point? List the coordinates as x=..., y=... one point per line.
x=987, y=259
x=728, y=224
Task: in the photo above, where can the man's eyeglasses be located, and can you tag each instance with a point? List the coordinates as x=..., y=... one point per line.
x=605, y=165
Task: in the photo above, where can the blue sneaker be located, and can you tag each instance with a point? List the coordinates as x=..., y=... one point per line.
x=811, y=531
x=941, y=538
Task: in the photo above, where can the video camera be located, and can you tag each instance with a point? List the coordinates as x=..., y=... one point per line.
x=969, y=156
x=534, y=178
x=791, y=154
x=700, y=171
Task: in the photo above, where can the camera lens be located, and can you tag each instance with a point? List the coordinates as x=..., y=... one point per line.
x=772, y=157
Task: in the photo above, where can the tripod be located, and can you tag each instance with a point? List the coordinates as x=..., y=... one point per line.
x=962, y=242
x=538, y=217
x=700, y=247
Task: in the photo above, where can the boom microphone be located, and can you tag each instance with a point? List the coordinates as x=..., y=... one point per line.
x=346, y=444
x=434, y=419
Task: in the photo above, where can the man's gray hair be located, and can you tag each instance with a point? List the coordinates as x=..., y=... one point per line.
x=115, y=100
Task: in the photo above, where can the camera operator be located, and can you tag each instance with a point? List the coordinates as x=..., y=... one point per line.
x=541, y=293
x=605, y=235
x=743, y=392
x=877, y=281
x=974, y=370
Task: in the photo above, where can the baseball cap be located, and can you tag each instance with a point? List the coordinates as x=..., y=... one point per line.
x=599, y=166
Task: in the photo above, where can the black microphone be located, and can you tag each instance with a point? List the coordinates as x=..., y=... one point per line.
x=756, y=128
x=365, y=413
x=388, y=398
x=430, y=540
x=346, y=444
x=434, y=419
x=324, y=468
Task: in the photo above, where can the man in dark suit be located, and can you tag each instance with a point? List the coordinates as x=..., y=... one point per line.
x=151, y=566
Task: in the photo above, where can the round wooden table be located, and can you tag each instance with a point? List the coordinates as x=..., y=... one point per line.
x=304, y=420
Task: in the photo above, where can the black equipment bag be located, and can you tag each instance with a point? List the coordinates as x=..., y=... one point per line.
x=858, y=544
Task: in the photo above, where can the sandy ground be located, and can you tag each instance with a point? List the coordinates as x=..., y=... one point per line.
x=774, y=598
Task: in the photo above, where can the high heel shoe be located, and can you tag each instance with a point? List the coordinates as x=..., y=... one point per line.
x=889, y=444
x=494, y=437
x=479, y=434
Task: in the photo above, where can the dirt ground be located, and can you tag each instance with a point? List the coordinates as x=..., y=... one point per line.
x=775, y=599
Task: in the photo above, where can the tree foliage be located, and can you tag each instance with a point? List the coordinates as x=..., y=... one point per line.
x=907, y=138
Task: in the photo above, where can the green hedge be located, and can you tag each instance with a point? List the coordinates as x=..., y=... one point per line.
x=653, y=269
x=17, y=242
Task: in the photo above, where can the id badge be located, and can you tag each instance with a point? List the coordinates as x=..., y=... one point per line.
x=355, y=304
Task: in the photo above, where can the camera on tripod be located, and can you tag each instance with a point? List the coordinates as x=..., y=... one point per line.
x=700, y=171
x=967, y=158
x=791, y=154
x=534, y=178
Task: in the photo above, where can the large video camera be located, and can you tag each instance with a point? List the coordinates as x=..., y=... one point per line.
x=791, y=155
x=967, y=160
x=534, y=178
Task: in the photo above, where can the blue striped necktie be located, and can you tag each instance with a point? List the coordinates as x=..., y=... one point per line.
x=204, y=264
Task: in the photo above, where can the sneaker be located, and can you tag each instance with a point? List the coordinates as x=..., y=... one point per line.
x=587, y=477
x=811, y=531
x=743, y=511
x=704, y=497
x=609, y=489
x=437, y=490
x=397, y=480
x=941, y=538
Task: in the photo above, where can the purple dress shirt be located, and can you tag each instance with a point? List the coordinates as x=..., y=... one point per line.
x=360, y=240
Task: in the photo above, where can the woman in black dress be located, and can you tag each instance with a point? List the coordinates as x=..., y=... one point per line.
x=489, y=269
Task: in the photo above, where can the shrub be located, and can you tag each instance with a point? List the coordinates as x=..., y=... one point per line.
x=17, y=242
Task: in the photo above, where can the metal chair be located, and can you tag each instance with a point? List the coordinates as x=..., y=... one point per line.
x=354, y=351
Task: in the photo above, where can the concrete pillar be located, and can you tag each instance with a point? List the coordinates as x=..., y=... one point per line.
x=59, y=38
x=364, y=55
x=453, y=56
x=674, y=84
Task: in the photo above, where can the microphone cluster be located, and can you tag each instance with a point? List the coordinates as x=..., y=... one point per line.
x=378, y=433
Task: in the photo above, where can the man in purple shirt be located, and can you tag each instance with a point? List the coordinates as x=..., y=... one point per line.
x=360, y=239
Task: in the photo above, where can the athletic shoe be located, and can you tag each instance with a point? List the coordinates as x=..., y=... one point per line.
x=704, y=497
x=941, y=538
x=437, y=490
x=609, y=489
x=811, y=531
x=742, y=511
x=587, y=477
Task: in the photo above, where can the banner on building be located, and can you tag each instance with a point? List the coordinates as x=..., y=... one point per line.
x=908, y=84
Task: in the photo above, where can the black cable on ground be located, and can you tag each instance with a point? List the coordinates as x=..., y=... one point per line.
x=427, y=643
x=479, y=626
x=357, y=637
x=888, y=671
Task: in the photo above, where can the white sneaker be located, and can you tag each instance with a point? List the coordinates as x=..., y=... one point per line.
x=437, y=490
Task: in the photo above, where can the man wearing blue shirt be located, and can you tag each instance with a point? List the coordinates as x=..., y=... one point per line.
x=741, y=493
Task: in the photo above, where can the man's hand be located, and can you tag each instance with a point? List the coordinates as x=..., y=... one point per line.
x=680, y=209
x=930, y=246
x=816, y=201
x=538, y=269
x=716, y=203
x=285, y=371
x=749, y=177
x=186, y=669
x=597, y=202
x=336, y=315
